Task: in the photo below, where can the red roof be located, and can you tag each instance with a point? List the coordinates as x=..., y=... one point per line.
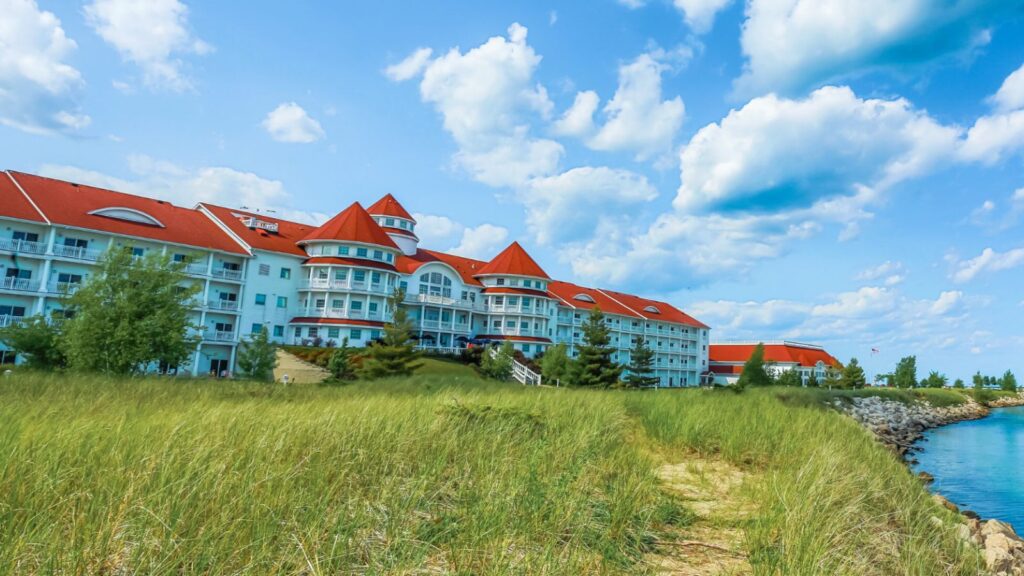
x=514, y=338
x=400, y=232
x=666, y=312
x=567, y=293
x=779, y=353
x=389, y=206
x=354, y=225
x=283, y=241
x=513, y=261
x=349, y=262
x=512, y=290
x=68, y=204
x=14, y=204
x=466, y=267
x=726, y=368
x=336, y=321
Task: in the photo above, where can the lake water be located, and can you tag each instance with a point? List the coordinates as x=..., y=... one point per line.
x=979, y=465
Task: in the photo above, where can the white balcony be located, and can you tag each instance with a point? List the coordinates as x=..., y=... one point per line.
x=343, y=314
x=443, y=301
x=67, y=288
x=225, y=305
x=22, y=246
x=77, y=253
x=324, y=284
x=516, y=332
x=219, y=336
x=6, y=320
x=517, y=309
x=227, y=274
x=196, y=269
x=20, y=284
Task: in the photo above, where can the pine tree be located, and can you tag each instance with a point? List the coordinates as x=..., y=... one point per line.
x=595, y=367
x=555, y=366
x=1008, y=382
x=395, y=354
x=132, y=313
x=641, y=365
x=340, y=364
x=853, y=376
x=978, y=380
x=257, y=358
x=833, y=377
x=754, y=373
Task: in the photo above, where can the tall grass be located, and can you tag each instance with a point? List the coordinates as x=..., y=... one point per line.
x=427, y=476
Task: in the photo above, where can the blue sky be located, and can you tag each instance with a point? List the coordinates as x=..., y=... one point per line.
x=855, y=181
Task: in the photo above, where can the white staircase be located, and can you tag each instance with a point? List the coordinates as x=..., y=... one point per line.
x=521, y=372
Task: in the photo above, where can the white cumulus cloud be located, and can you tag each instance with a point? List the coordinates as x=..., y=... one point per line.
x=410, y=67
x=700, y=14
x=289, y=122
x=1011, y=94
x=152, y=34
x=988, y=261
x=482, y=242
x=578, y=120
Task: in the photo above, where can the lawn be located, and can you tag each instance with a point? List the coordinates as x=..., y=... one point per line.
x=439, y=473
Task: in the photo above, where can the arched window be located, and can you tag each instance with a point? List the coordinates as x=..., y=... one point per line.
x=128, y=214
x=652, y=310
x=583, y=298
x=436, y=284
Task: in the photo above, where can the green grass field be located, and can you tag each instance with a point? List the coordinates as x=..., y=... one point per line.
x=439, y=473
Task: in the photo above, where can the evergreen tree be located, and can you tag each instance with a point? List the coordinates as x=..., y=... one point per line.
x=395, y=354
x=132, y=313
x=905, y=375
x=853, y=376
x=833, y=377
x=641, y=365
x=958, y=384
x=754, y=373
x=38, y=341
x=340, y=364
x=1008, y=382
x=257, y=357
x=555, y=366
x=595, y=367
x=789, y=377
x=978, y=380
x=812, y=380
x=498, y=365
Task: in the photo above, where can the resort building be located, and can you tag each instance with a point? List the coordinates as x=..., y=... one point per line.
x=316, y=285
x=727, y=359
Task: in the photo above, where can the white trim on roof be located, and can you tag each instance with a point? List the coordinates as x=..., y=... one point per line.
x=27, y=197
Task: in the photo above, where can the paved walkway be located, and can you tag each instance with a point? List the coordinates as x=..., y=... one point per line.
x=298, y=370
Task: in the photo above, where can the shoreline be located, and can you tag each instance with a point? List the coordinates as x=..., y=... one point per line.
x=901, y=426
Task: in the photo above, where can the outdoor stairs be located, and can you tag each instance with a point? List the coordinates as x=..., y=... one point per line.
x=521, y=372
x=298, y=370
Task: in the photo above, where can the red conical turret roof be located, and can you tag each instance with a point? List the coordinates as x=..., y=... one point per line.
x=354, y=225
x=513, y=261
x=389, y=206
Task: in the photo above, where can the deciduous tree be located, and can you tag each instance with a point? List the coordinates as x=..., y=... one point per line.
x=38, y=341
x=905, y=375
x=555, y=366
x=498, y=364
x=1008, y=382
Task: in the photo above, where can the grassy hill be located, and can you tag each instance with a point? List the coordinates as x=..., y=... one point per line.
x=447, y=473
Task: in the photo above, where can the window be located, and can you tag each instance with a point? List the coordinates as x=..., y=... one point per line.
x=314, y=331
x=278, y=331
x=404, y=285
x=357, y=304
x=256, y=328
x=583, y=298
x=374, y=334
x=320, y=303
x=513, y=300
x=179, y=258
x=321, y=274
x=282, y=301
x=224, y=327
x=378, y=255
x=25, y=236
x=373, y=306
x=356, y=334
x=261, y=299
x=389, y=222
x=138, y=252
x=510, y=324
x=341, y=274
x=19, y=273
x=75, y=242
x=526, y=347
x=499, y=300
x=524, y=325
x=391, y=257
x=362, y=252
x=500, y=281
x=298, y=332
x=264, y=270
x=233, y=266
x=16, y=311
x=375, y=277
x=286, y=273
x=359, y=275
x=342, y=250
x=66, y=278
x=337, y=303
x=333, y=332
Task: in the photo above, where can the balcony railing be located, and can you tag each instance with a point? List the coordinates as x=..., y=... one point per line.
x=77, y=252
x=68, y=288
x=23, y=246
x=344, y=314
x=516, y=332
x=6, y=320
x=196, y=269
x=24, y=284
x=517, y=309
x=227, y=274
x=219, y=336
x=444, y=325
x=443, y=301
x=326, y=284
x=228, y=305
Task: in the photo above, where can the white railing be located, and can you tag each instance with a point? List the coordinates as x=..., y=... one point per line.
x=196, y=269
x=442, y=301
x=11, y=245
x=345, y=314
x=446, y=350
x=76, y=252
x=517, y=309
x=6, y=320
x=65, y=287
x=322, y=284
x=521, y=372
x=219, y=336
x=516, y=332
x=229, y=305
x=227, y=274
x=12, y=283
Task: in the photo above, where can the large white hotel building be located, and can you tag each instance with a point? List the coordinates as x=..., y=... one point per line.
x=307, y=284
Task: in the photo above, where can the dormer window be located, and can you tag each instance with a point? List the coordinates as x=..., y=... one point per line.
x=128, y=215
x=389, y=222
x=500, y=281
x=583, y=298
x=652, y=310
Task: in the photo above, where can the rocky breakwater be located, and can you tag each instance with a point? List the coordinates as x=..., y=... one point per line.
x=1001, y=547
x=899, y=425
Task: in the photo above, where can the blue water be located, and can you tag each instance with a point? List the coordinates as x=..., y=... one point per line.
x=979, y=465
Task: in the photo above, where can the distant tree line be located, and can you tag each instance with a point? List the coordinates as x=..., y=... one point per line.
x=905, y=376
x=757, y=372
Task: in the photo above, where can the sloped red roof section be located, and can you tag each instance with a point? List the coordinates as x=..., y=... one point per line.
x=389, y=206
x=14, y=204
x=666, y=312
x=352, y=224
x=283, y=241
x=567, y=292
x=513, y=261
x=466, y=267
x=781, y=353
x=69, y=204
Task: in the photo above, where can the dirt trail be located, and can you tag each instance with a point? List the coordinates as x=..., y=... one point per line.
x=299, y=371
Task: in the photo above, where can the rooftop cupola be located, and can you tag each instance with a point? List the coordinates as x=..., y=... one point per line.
x=352, y=224
x=396, y=221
